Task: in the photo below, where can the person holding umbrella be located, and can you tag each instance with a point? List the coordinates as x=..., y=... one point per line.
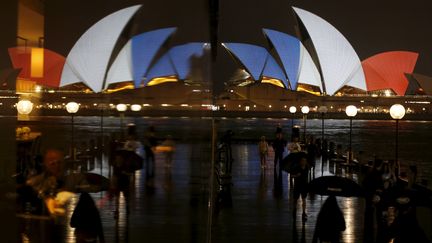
x=330, y=222
x=126, y=161
x=300, y=175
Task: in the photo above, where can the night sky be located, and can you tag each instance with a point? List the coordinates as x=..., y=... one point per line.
x=371, y=26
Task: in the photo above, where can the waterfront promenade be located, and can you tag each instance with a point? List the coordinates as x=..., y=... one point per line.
x=173, y=207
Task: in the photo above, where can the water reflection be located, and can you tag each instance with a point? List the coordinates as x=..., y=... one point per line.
x=70, y=232
x=183, y=188
x=122, y=222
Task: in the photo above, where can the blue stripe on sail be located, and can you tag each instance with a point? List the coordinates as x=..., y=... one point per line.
x=273, y=70
x=251, y=56
x=288, y=49
x=162, y=68
x=180, y=56
x=144, y=48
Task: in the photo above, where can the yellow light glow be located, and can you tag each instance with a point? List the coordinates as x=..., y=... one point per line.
x=25, y=86
x=299, y=88
x=128, y=86
x=273, y=81
x=37, y=62
x=157, y=81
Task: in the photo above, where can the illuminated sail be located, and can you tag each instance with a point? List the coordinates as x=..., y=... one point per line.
x=339, y=62
x=252, y=57
x=288, y=49
x=180, y=56
x=308, y=72
x=90, y=55
x=121, y=69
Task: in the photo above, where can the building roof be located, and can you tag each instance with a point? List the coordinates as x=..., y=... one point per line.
x=340, y=64
x=181, y=54
x=88, y=59
x=288, y=49
x=419, y=83
x=387, y=70
x=252, y=57
x=144, y=49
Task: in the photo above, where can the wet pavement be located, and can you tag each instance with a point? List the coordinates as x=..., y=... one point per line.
x=174, y=205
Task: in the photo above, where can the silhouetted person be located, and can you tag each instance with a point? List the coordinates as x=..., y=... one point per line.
x=279, y=145
x=86, y=221
x=300, y=175
x=125, y=162
x=278, y=128
x=330, y=222
x=150, y=142
x=312, y=151
x=406, y=229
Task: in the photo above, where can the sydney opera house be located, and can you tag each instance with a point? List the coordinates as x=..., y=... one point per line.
x=316, y=67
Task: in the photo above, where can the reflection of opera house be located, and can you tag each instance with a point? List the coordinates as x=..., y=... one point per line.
x=317, y=67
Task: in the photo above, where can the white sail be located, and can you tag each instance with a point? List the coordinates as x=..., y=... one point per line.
x=121, y=69
x=90, y=55
x=339, y=62
x=308, y=72
x=70, y=75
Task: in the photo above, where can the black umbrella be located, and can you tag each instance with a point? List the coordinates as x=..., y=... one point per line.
x=336, y=186
x=292, y=161
x=129, y=161
x=86, y=182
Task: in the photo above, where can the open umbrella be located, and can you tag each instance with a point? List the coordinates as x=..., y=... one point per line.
x=129, y=161
x=336, y=186
x=291, y=161
x=86, y=182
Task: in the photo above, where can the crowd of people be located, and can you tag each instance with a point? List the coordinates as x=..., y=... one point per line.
x=390, y=214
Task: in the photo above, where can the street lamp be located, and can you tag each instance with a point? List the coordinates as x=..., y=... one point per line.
x=136, y=107
x=292, y=110
x=397, y=112
x=24, y=107
x=305, y=111
x=323, y=110
x=72, y=108
x=121, y=108
x=351, y=111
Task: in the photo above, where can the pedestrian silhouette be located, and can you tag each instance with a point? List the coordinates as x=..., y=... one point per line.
x=330, y=222
x=86, y=221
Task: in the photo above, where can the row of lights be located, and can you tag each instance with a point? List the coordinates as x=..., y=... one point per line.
x=397, y=111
